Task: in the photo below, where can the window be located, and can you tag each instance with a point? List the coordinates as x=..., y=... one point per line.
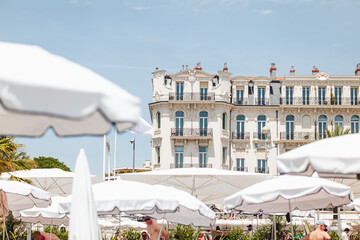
x=306, y=121
x=240, y=127
x=322, y=126
x=203, y=157
x=203, y=123
x=179, y=123
x=338, y=93
x=224, y=121
x=203, y=90
x=290, y=127
x=158, y=119
x=321, y=91
x=339, y=121
x=354, y=124
x=261, y=96
x=354, y=96
x=289, y=95
x=240, y=96
x=240, y=166
x=262, y=166
x=179, y=156
x=179, y=91
x=306, y=95
x=261, y=124
x=224, y=155
x=158, y=154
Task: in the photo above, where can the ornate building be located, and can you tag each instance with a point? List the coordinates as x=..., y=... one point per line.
x=217, y=121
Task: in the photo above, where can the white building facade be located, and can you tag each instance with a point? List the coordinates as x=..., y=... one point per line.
x=217, y=121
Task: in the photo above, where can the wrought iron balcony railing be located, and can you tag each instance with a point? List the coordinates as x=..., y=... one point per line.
x=297, y=136
x=261, y=136
x=190, y=165
x=261, y=101
x=242, y=169
x=241, y=102
x=262, y=170
x=191, y=96
x=240, y=135
x=192, y=132
x=319, y=101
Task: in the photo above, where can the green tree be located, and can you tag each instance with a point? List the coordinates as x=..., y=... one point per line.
x=336, y=131
x=50, y=162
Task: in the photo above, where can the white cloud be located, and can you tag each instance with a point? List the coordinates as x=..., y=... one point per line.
x=140, y=8
x=264, y=11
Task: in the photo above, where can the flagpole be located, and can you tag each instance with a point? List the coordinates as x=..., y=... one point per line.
x=104, y=156
x=115, y=140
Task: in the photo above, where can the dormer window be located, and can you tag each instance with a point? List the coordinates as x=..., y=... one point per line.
x=167, y=80
x=215, y=81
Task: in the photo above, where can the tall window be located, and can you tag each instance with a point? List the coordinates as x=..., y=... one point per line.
x=203, y=123
x=306, y=121
x=289, y=95
x=321, y=93
x=240, y=164
x=158, y=154
x=179, y=157
x=339, y=121
x=322, y=126
x=354, y=96
x=261, y=96
x=224, y=121
x=203, y=90
x=203, y=157
x=224, y=154
x=306, y=95
x=240, y=96
x=262, y=166
x=261, y=124
x=354, y=124
x=338, y=94
x=179, y=91
x=158, y=119
x=240, y=127
x=179, y=123
x=290, y=127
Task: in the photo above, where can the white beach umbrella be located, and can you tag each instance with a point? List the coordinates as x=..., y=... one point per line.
x=53, y=180
x=40, y=90
x=83, y=217
x=209, y=185
x=157, y=201
x=47, y=216
x=331, y=157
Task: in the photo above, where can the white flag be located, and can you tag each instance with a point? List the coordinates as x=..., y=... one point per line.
x=107, y=145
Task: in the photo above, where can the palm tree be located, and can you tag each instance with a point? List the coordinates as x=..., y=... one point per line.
x=337, y=131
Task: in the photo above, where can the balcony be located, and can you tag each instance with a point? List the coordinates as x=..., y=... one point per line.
x=297, y=136
x=191, y=96
x=262, y=101
x=262, y=170
x=240, y=136
x=190, y=165
x=261, y=136
x=182, y=133
x=316, y=101
x=241, y=169
x=241, y=102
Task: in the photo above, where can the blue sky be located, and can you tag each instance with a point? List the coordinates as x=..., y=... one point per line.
x=125, y=40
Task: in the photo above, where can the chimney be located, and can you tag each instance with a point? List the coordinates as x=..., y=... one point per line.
x=357, y=71
x=225, y=69
x=315, y=70
x=292, y=70
x=273, y=70
x=198, y=66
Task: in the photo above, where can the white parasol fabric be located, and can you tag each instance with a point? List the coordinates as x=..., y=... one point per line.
x=115, y=197
x=53, y=180
x=331, y=157
x=287, y=193
x=209, y=185
x=142, y=127
x=83, y=217
x=40, y=90
x=22, y=195
x=47, y=216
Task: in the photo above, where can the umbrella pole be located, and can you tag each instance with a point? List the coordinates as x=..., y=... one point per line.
x=50, y=231
x=162, y=224
x=28, y=231
x=274, y=220
x=4, y=227
x=257, y=224
x=119, y=226
x=292, y=228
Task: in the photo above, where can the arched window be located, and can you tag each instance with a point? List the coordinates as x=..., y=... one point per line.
x=158, y=119
x=354, y=124
x=179, y=123
x=290, y=127
x=339, y=121
x=203, y=123
x=240, y=127
x=322, y=126
x=306, y=121
x=224, y=121
x=261, y=123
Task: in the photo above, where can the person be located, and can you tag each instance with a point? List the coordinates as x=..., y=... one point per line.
x=250, y=229
x=319, y=233
x=153, y=228
x=38, y=236
x=45, y=236
x=345, y=234
x=144, y=236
